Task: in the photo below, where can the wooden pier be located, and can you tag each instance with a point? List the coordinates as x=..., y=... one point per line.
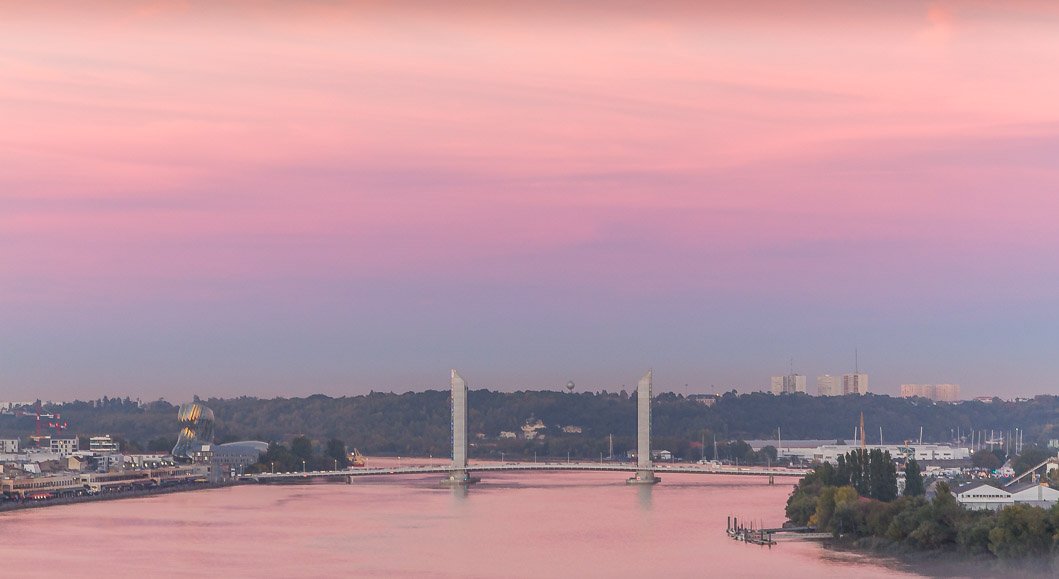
x=748, y=534
x=767, y=536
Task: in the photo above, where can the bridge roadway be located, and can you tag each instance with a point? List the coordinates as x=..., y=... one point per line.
x=519, y=467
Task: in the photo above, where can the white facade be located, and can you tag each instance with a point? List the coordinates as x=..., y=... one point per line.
x=102, y=444
x=788, y=384
x=938, y=392
x=64, y=446
x=921, y=452
x=979, y=496
x=8, y=446
x=1037, y=495
x=827, y=385
x=913, y=390
x=855, y=383
x=947, y=392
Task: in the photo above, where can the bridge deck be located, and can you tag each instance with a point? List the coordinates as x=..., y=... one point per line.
x=518, y=467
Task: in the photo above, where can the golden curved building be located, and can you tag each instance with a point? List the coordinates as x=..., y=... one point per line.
x=196, y=429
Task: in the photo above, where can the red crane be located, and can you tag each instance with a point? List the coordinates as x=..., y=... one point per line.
x=57, y=426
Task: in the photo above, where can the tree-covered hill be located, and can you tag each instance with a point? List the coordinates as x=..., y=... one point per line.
x=418, y=423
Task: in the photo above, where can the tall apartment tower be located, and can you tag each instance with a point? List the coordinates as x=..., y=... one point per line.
x=938, y=392
x=856, y=383
x=827, y=385
x=912, y=390
x=946, y=392
x=788, y=384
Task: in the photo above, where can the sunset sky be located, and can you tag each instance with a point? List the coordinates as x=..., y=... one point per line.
x=283, y=198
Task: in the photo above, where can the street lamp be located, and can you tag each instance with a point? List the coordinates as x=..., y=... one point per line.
x=303, y=465
x=273, y=467
x=336, y=464
x=501, y=457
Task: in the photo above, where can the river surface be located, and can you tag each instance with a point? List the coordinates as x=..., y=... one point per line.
x=509, y=525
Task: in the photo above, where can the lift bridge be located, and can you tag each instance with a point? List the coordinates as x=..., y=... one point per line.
x=460, y=472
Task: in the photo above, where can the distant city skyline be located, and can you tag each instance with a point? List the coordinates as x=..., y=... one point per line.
x=288, y=198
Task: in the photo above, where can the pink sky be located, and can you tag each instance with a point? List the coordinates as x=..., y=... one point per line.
x=648, y=178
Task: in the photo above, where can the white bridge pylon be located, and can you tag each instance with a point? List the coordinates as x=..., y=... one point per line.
x=459, y=474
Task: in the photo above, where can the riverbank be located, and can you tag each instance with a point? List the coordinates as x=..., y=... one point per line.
x=942, y=562
x=857, y=501
x=112, y=496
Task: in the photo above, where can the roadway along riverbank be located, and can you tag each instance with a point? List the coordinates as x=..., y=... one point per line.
x=111, y=496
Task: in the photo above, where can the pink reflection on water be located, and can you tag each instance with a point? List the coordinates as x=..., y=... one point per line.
x=510, y=525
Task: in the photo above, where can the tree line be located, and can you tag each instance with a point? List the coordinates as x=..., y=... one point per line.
x=418, y=423
x=857, y=501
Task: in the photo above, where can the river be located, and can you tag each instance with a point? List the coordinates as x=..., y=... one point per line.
x=509, y=525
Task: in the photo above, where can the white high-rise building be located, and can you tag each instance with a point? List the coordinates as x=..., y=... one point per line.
x=946, y=392
x=788, y=384
x=856, y=383
x=827, y=385
x=938, y=392
x=920, y=390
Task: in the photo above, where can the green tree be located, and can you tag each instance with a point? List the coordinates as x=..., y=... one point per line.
x=336, y=452
x=825, y=508
x=302, y=448
x=913, y=479
x=882, y=484
x=161, y=444
x=1030, y=458
x=845, y=518
x=986, y=459
x=1021, y=531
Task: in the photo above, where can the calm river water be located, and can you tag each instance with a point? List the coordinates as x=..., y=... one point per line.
x=510, y=525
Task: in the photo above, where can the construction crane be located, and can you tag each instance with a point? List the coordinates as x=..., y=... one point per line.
x=38, y=414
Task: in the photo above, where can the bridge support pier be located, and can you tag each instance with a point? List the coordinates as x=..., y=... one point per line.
x=645, y=474
x=459, y=479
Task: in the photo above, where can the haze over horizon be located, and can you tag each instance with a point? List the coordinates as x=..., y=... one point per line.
x=226, y=198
